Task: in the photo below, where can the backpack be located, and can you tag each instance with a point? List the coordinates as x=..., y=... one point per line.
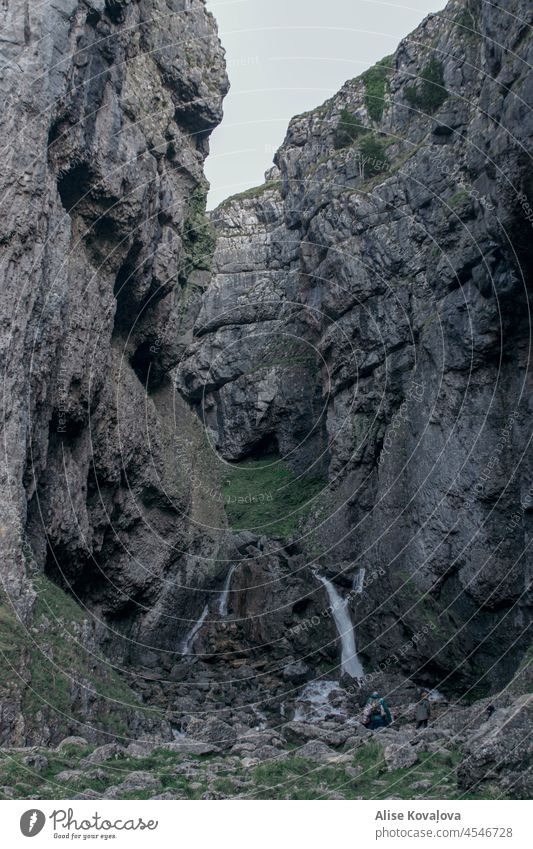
x=376, y=708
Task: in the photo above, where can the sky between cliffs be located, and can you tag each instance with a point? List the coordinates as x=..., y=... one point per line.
x=285, y=57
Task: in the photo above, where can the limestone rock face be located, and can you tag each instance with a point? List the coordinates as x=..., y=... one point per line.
x=368, y=321
x=500, y=753
x=107, y=111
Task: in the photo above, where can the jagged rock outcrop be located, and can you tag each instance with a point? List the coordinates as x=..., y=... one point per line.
x=368, y=321
x=108, y=107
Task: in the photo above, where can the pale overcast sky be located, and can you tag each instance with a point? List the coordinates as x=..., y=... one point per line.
x=285, y=57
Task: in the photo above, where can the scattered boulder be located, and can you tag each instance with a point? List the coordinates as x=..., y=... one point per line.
x=81, y=742
x=69, y=775
x=212, y=730
x=134, y=781
x=301, y=732
x=103, y=754
x=188, y=746
x=399, y=757
x=354, y=771
x=38, y=763
x=316, y=750
x=297, y=672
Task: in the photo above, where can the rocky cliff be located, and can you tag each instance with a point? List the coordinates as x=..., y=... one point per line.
x=108, y=107
x=367, y=325
x=211, y=429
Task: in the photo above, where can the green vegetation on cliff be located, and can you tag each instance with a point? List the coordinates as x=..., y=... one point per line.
x=375, y=80
x=348, y=130
x=429, y=92
x=199, y=237
x=267, y=496
x=57, y=670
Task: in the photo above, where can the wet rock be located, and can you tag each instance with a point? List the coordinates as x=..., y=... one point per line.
x=297, y=672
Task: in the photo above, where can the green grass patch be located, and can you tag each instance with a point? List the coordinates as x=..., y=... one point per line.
x=348, y=130
x=459, y=198
x=199, y=238
x=429, y=92
x=253, y=192
x=375, y=81
x=47, y=653
x=265, y=494
x=467, y=20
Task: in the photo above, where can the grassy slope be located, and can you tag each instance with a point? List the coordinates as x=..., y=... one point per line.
x=190, y=777
x=266, y=496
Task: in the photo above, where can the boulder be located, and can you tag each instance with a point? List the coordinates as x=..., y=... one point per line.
x=213, y=731
x=81, y=742
x=301, y=732
x=69, y=775
x=399, y=757
x=102, y=754
x=315, y=750
x=37, y=763
x=297, y=672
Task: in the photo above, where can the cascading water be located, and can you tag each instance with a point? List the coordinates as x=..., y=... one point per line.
x=188, y=642
x=359, y=581
x=224, y=598
x=350, y=663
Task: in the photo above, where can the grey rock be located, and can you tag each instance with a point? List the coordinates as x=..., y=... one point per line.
x=297, y=672
x=73, y=741
x=500, y=753
x=399, y=757
x=213, y=731
x=69, y=775
x=37, y=763
x=106, y=121
x=315, y=750
x=108, y=752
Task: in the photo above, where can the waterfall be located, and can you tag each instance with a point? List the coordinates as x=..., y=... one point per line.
x=359, y=581
x=350, y=663
x=224, y=598
x=188, y=642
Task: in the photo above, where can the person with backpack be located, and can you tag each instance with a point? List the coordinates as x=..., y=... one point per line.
x=423, y=711
x=376, y=713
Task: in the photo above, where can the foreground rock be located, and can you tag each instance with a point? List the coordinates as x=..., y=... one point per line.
x=499, y=756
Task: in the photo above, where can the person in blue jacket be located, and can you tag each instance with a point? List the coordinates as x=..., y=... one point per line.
x=376, y=713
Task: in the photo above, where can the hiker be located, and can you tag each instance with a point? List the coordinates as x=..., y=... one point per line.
x=423, y=711
x=490, y=710
x=376, y=713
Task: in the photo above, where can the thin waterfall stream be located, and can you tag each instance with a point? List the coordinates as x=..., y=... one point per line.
x=224, y=598
x=188, y=642
x=350, y=663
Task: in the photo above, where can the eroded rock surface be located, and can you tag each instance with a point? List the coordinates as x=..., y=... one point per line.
x=368, y=322
x=105, y=127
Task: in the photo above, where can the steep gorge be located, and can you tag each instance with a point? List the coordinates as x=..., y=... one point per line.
x=368, y=323
x=346, y=371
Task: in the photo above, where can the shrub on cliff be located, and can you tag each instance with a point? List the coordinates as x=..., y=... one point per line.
x=429, y=93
